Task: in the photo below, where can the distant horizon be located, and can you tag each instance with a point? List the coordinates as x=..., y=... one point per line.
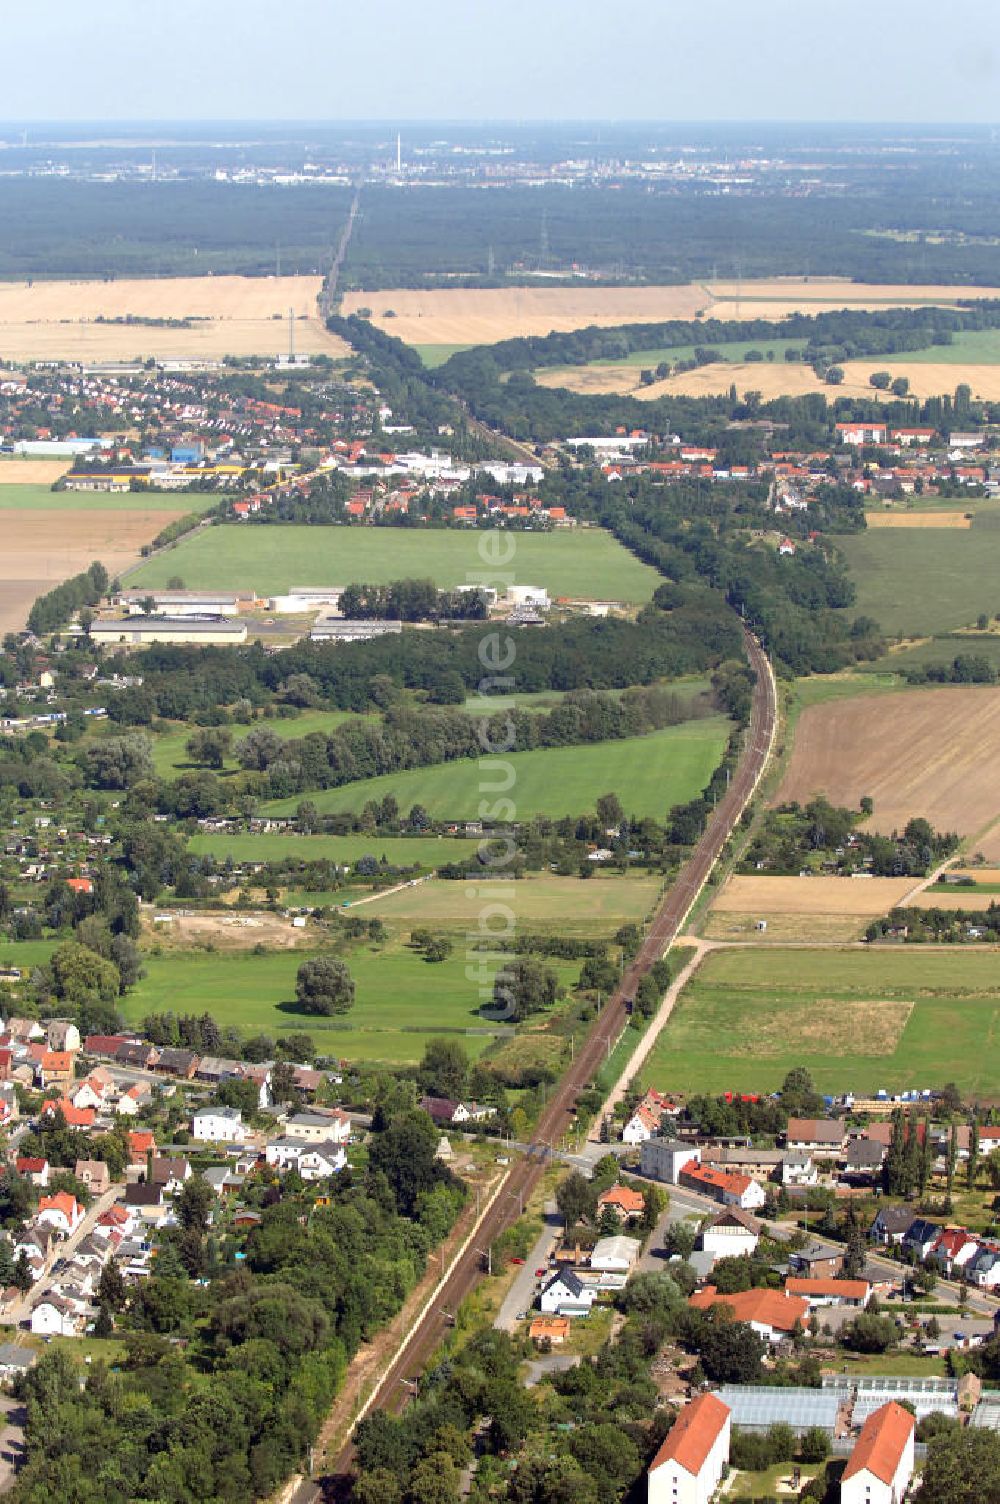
x=241, y=60
x=526, y=122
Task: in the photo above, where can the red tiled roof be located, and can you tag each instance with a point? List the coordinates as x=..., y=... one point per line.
x=881, y=1444
x=766, y=1307
x=693, y=1434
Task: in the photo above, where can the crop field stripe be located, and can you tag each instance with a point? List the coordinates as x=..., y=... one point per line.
x=37, y=498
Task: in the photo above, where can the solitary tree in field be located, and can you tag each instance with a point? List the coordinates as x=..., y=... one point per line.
x=324, y=986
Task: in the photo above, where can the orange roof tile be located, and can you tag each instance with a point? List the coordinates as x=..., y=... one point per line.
x=623, y=1196
x=693, y=1434
x=882, y=1442
x=767, y=1307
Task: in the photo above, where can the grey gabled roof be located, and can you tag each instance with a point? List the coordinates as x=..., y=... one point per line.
x=565, y=1276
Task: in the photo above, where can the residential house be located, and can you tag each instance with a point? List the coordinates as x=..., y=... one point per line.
x=823, y=1138
x=689, y=1465
x=830, y=1292
x=759, y=1164
x=565, y=1294
x=663, y=1158
x=772, y=1314
x=881, y=1466
x=983, y=1269
x=921, y=1236
x=74, y=1117
x=15, y=1361
x=623, y=1201
x=891, y=1225
x=146, y=1201
x=319, y=1127
x=647, y=1117
x=36, y=1170
x=225, y=1181
x=94, y=1174
x=62, y=1034
x=730, y=1190
x=954, y=1249
x=615, y=1255
x=797, y=1168
x=176, y=1062
x=312, y=1161
x=95, y=1090
x=55, y=1317
x=56, y=1069
x=864, y=1160
x=141, y=1143
x=170, y=1173
x=218, y=1125
x=817, y=1261
x=730, y=1234
x=62, y=1212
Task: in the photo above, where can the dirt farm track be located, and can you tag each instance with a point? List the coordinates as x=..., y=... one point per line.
x=229, y=316
x=929, y=752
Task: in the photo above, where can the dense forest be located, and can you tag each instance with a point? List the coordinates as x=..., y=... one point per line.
x=849, y=228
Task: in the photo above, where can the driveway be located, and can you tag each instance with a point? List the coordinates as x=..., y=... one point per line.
x=521, y=1294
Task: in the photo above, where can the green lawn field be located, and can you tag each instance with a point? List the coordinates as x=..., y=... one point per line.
x=973, y=347
x=650, y=774
x=941, y=649
x=891, y=1017
x=585, y=563
x=436, y=355
x=275, y=846
x=16, y=498
x=401, y=1000
x=921, y=581
x=25, y=953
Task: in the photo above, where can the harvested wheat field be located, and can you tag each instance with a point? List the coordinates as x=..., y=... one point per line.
x=812, y=895
x=483, y=315
x=17, y=472
x=927, y=380
x=229, y=316
x=929, y=752
x=778, y=380
x=918, y=519
x=40, y=548
x=474, y=316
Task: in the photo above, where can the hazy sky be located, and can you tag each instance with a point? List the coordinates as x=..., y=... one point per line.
x=912, y=60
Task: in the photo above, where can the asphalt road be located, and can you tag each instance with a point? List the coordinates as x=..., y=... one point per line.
x=559, y=1115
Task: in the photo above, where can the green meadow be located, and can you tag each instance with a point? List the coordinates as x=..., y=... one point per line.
x=15, y=498
x=277, y=846
x=890, y=1017
x=922, y=581
x=586, y=563
x=650, y=774
x=401, y=1000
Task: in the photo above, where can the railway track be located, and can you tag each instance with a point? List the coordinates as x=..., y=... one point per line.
x=399, y=1382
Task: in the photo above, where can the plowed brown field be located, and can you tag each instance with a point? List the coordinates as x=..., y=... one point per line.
x=930, y=752
x=38, y=549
